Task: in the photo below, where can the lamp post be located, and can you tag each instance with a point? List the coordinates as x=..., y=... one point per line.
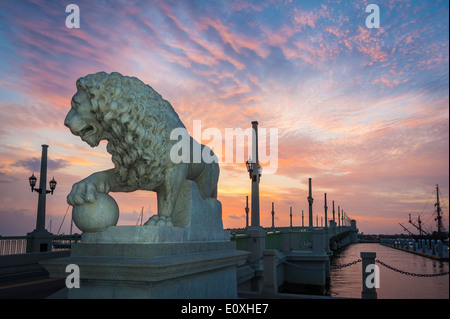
x=303, y=220
x=310, y=202
x=246, y=213
x=339, y=216
x=40, y=238
x=254, y=171
x=334, y=219
x=290, y=214
x=256, y=240
x=326, y=209
x=273, y=216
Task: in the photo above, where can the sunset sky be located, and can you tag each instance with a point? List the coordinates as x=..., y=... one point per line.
x=363, y=112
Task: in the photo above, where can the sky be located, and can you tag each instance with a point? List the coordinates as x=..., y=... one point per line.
x=362, y=111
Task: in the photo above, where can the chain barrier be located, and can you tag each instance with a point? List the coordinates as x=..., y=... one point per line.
x=346, y=265
x=318, y=268
x=351, y=264
x=410, y=273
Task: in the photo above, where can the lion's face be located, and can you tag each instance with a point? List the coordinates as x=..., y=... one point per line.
x=82, y=122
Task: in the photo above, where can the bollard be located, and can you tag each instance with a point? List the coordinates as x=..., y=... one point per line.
x=440, y=248
x=369, y=291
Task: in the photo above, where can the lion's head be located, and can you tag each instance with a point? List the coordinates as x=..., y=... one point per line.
x=131, y=116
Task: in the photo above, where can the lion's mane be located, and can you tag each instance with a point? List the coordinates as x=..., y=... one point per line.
x=135, y=115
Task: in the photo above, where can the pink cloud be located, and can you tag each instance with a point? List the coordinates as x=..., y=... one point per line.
x=237, y=42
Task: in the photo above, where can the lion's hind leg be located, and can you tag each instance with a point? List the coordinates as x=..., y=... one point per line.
x=207, y=181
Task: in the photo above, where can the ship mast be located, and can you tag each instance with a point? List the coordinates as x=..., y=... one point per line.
x=418, y=227
x=438, y=212
x=406, y=229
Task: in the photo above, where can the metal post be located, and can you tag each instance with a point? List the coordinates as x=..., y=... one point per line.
x=40, y=220
x=255, y=177
x=310, y=202
x=291, y=215
x=333, y=213
x=369, y=269
x=438, y=212
x=303, y=220
x=273, y=216
x=339, y=216
x=326, y=208
x=246, y=212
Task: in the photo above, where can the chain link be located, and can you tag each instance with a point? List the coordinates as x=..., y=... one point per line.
x=318, y=268
x=410, y=273
x=346, y=265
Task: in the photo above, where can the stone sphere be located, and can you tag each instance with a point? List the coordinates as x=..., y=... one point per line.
x=96, y=216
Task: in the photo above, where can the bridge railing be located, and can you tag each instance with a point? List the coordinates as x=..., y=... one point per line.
x=297, y=238
x=273, y=240
x=64, y=242
x=241, y=240
x=334, y=231
x=300, y=238
x=12, y=245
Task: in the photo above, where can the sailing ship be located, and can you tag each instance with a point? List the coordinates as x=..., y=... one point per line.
x=440, y=233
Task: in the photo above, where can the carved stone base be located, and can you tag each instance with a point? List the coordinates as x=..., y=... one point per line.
x=154, y=234
x=194, y=219
x=152, y=270
x=192, y=257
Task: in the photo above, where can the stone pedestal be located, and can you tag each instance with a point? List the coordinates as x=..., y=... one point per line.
x=307, y=268
x=39, y=241
x=368, y=258
x=256, y=246
x=114, y=264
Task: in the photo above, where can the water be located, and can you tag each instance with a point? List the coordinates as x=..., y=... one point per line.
x=347, y=282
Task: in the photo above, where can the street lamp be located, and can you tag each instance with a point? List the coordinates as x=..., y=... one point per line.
x=52, y=185
x=33, y=180
x=40, y=239
x=251, y=167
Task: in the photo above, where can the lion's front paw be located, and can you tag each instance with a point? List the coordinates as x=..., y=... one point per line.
x=157, y=220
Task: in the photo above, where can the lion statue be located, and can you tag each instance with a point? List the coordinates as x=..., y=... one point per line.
x=137, y=123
